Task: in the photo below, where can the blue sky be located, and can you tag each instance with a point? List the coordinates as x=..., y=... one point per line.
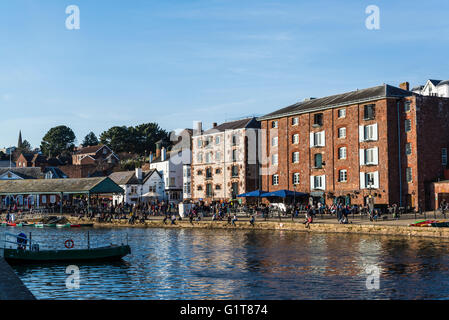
x=175, y=62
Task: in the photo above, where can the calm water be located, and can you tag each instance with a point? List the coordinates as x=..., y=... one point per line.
x=235, y=264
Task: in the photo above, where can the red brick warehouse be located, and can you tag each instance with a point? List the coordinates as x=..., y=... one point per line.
x=384, y=141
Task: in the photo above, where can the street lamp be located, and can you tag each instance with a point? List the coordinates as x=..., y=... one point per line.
x=294, y=200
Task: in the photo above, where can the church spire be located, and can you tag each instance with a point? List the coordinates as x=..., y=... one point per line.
x=19, y=143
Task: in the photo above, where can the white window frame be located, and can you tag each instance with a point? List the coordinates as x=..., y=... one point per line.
x=363, y=154
x=295, y=138
x=296, y=178
x=275, y=180
x=318, y=182
x=340, y=131
x=342, y=113
x=364, y=180
x=364, y=133
x=408, y=124
x=342, y=153
x=344, y=173
x=317, y=139
x=275, y=159
x=295, y=157
x=295, y=121
x=274, y=141
x=409, y=174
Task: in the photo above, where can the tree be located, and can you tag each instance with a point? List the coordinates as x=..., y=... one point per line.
x=25, y=146
x=118, y=139
x=90, y=140
x=58, y=141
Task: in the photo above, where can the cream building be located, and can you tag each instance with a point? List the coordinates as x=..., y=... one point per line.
x=224, y=160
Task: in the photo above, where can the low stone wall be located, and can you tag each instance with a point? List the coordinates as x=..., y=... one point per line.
x=291, y=226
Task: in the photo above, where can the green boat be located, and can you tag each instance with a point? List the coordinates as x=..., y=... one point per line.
x=109, y=253
x=67, y=225
x=39, y=225
x=50, y=225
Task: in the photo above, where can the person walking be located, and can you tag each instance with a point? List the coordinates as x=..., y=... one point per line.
x=252, y=220
x=234, y=219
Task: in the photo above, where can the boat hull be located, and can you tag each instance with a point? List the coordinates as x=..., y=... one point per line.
x=109, y=253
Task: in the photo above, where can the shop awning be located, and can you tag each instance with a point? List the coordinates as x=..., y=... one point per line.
x=284, y=194
x=252, y=194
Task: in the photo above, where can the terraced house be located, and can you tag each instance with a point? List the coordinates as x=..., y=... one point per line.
x=383, y=143
x=224, y=160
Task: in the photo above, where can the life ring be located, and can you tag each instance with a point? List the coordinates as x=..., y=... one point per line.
x=69, y=244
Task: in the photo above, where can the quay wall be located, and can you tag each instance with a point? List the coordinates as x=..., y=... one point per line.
x=390, y=230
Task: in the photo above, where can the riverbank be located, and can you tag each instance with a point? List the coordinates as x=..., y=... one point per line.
x=392, y=228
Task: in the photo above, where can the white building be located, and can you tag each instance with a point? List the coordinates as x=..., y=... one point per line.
x=136, y=184
x=174, y=167
x=437, y=88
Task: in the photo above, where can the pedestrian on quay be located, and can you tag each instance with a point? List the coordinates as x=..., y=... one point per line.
x=252, y=220
x=234, y=219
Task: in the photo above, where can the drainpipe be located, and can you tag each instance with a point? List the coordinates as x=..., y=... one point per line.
x=399, y=154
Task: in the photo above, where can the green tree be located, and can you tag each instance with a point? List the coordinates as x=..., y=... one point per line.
x=118, y=139
x=25, y=147
x=58, y=141
x=90, y=140
x=146, y=135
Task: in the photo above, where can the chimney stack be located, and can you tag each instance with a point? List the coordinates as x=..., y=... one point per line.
x=198, y=128
x=405, y=86
x=214, y=125
x=164, y=154
x=139, y=173
x=151, y=156
x=158, y=149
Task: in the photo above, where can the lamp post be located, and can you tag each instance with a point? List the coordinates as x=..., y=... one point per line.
x=371, y=202
x=294, y=200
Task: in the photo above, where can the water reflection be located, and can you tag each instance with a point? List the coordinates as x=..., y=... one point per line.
x=236, y=264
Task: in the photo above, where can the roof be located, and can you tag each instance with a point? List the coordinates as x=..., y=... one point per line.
x=435, y=82
x=348, y=98
x=233, y=125
x=129, y=177
x=90, y=149
x=54, y=186
x=57, y=173
x=25, y=173
x=7, y=164
x=442, y=83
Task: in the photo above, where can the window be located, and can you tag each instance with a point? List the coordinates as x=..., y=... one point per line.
x=199, y=188
x=172, y=182
x=217, y=171
x=199, y=172
x=317, y=139
x=235, y=189
x=343, y=176
x=274, y=159
x=408, y=125
x=444, y=156
x=217, y=156
x=235, y=171
x=295, y=139
x=295, y=157
x=295, y=121
x=369, y=156
x=342, y=153
x=234, y=140
x=369, y=112
x=274, y=124
x=369, y=180
x=318, y=182
x=208, y=157
x=318, y=160
x=200, y=143
x=296, y=178
x=408, y=174
x=209, y=192
x=318, y=119
x=342, y=133
x=407, y=106
x=208, y=173
x=368, y=133
x=342, y=113
x=274, y=141
x=234, y=155
x=408, y=149
x=217, y=187
x=275, y=180
x=217, y=140
x=199, y=157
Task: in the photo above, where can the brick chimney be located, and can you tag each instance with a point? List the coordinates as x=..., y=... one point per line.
x=405, y=86
x=198, y=128
x=158, y=149
x=214, y=125
x=151, y=156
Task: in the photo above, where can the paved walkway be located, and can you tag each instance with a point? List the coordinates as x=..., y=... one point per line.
x=11, y=287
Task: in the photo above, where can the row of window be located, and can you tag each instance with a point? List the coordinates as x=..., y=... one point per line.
x=208, y=141
x=234, y=172
x=209, y=156
x=367, y=179
x=368, y=114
